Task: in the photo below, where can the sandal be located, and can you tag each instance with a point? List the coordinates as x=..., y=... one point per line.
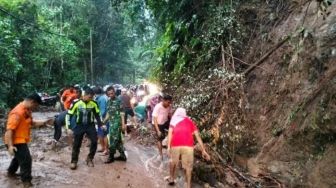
x=104, y=153
x=170, y=182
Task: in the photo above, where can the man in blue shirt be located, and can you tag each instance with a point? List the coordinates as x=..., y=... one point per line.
x=101, y=100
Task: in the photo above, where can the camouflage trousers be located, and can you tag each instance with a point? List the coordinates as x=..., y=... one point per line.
x=115, y=140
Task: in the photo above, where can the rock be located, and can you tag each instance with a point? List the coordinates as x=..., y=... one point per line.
x=40, y=158
x=220, y=185
x=206, y=185
x=262, y=118
x=254, y=168
x=49, y=142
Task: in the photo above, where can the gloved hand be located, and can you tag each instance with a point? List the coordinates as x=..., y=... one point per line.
x=12, y=150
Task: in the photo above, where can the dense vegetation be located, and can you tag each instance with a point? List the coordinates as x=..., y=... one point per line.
x=206, y=53
x=45, y=45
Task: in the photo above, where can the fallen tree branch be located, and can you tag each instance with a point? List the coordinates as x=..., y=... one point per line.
x=264, y=57
x=249, y=180
x=243, y=62
x=223, y=57
x=233, y=169
x=241, y=175
x=279, y=184
x=235, y=58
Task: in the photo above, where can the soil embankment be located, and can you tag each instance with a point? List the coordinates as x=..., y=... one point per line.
x=273, y=121
x=291, y=98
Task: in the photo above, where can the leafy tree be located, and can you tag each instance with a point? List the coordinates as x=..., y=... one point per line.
x=45, y=45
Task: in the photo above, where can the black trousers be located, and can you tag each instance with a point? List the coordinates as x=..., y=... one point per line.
x=22, y=159
x=128, y=111
x=79, y=132
x=163, y=128
x=60, y=122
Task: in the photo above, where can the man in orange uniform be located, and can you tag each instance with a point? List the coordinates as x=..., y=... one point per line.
x=17, y=137
x=68, y=96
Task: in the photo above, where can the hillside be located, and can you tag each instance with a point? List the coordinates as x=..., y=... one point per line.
x=273, y=116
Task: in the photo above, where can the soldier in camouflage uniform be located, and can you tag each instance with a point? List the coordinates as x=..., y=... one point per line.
x=115, y=117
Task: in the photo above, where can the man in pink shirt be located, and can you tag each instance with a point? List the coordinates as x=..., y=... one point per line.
x=151, y=103
x=181, y=145
x=160, y=120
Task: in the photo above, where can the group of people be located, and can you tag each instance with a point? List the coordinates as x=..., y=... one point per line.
x=101, y=116
x=181, y=131
x=94, y=107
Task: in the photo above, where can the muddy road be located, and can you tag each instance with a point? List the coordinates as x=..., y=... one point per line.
x=51, y=166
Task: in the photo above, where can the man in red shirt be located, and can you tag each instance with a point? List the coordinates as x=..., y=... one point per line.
x=181, y=144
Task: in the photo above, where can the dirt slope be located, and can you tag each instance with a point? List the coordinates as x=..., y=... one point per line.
x=291, y=98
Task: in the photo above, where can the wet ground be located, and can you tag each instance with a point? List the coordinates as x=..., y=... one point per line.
x=51, y=167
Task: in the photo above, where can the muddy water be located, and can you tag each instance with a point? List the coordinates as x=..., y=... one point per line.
x=51, y=167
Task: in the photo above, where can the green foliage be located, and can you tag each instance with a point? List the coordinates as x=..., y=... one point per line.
x=31, y=50
x=46, y=44
x=192, y=36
